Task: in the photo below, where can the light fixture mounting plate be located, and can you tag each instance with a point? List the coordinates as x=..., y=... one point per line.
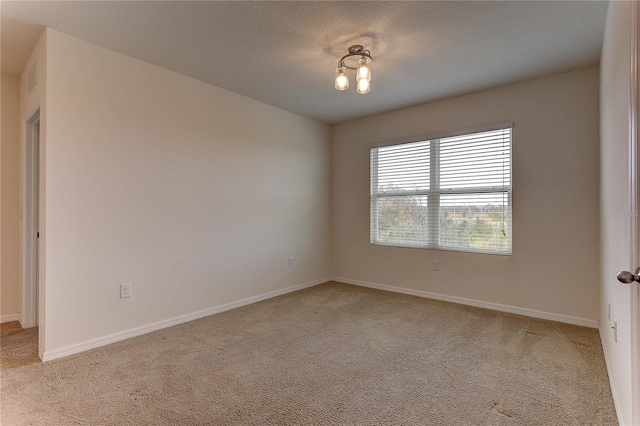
x=356, y=49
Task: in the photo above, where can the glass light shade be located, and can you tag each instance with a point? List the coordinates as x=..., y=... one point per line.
x=342, y=81
x=364, y=69
x=363, y=86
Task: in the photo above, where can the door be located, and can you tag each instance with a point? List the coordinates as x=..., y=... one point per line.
x=620, y=294
x=31, y=203
x=634, y=208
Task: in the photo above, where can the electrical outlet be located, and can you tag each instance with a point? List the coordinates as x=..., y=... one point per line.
x=435, y=265
x=125, y=290
x=290, y=261
x=615, y=331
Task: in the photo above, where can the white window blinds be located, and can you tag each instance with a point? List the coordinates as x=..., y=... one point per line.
x=450, y=193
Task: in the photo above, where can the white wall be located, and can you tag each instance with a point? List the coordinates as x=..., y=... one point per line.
x=195, y=195
x=614, y=184
x=10, y=192
x=554, y=266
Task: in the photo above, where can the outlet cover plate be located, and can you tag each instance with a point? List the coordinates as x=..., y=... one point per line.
x=125, y=290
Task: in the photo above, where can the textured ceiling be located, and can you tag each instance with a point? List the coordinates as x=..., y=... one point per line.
x=285, y=53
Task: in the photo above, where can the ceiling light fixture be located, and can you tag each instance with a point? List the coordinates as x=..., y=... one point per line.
x=363, y=70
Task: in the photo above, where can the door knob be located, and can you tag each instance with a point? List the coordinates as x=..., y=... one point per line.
x=627, y=277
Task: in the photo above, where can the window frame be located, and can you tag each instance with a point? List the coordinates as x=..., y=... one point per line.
x=434, y=192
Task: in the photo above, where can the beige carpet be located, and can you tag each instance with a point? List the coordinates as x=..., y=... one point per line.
x=332, y=354
x=18, y=346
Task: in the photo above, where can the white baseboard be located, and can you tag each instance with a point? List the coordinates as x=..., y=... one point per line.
x=9, y=318
x=605, y=350
x=127, y=334
x=477, y=303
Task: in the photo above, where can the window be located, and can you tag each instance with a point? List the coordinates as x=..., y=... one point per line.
x=446, y=193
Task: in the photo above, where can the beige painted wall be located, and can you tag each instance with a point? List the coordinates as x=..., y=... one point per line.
x=554, y=266
x=195, y=195
x=10, y=190
x=614, y=184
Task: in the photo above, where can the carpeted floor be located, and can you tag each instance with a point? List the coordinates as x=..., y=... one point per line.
x=332, y=354
x=18, y=346
x=9, y=328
